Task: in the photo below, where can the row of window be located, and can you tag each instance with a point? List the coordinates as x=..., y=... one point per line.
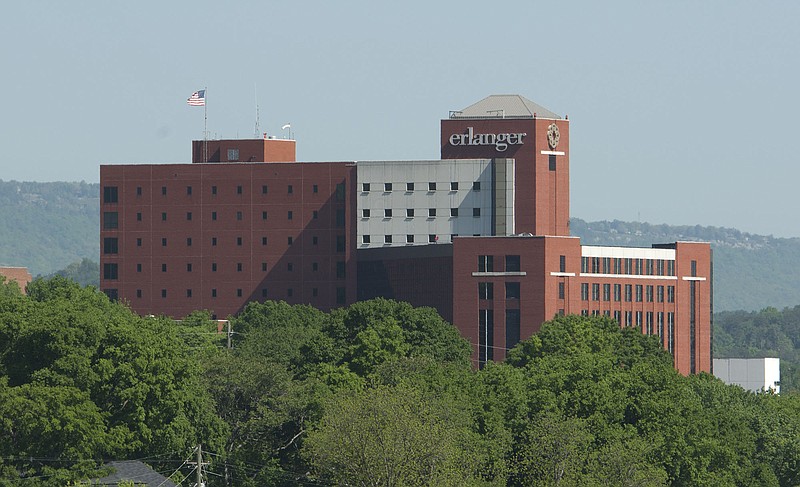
x=628, y=266
x=486, y=290
x=486, y=263
x=411, y=213
x=111, y=244
x=341, y=294
x=649, y=327
x=111, y=270
x=432, y=186
x=513, y=320
x=111, y=218
x=632, y=292
x=111, y=193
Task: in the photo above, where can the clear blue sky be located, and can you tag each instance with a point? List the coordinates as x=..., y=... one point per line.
x=680, y=112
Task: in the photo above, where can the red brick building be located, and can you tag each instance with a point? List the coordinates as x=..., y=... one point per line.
x=482, y=235
x=20, y=275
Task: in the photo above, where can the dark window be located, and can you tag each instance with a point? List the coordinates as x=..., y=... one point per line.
x=387, y=213
x=453, y=211
x=138, y=190
x=238, y=267
x=512, y=327
x=606, y=292
x=164, y=216
x=431, y=186
x=110, y=271
x=188, y=293
x=476, y=186
x=512, y=290
x=289, y=267
x=113, y=294
x=340, y=193
x=315, y=189
x=213, y=215
x=341, y=295
x=239, y=241
x=189, y=241
x=289, y=189
x=512, y=263
x=365, y=187
x=314, y=215
x=314, y=291
x=263, y=267
x=264, y=189
x=213, y=241
x=410, y=212
x=138, y=242
x=617, y=292
x=387, y=239
x=139, y=217
x=340, y=269
x=340, y=217
x=562, y=263
x=188, y=190
x=638, y=293
x=628, y=293
x=239, y=293
x=138, y=293
x=648, y=292
x=584, y=291
x=660, y=291
x=263, y=215
x=431, y=211
x=263, y=240
x=138, y=267
x=239, y=215
x=188, y=215
x=163, y=293
x=387, y=186
x=213, y=267
x=485, y=290
x=365, y=239
x=670, y=294
x=485, y=263
x=432, y=238
x=163, y=190
x=238, y=190
x=560, y=290
x=110, y=194
x=213, y=190
x=290, y=240
x=694, y=268
x=289, y=215
x=163, y=267
x=409, y=239
x=552, y=161
x=314, y=266
x=110, y=220
x=476, y=212
x=164, y=242
x=409, y=186
x=365, y=213
x=485, y=336
x=213, y=293
x=340, y=242
x=264, y=293
x=453, y=186
x=189, y=267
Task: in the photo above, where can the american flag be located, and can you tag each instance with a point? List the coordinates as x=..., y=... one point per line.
x=198, y=99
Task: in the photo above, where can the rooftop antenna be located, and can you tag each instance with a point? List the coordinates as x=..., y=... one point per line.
x=257, y=130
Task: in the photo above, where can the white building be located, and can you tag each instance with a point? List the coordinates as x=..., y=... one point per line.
x=753, y=374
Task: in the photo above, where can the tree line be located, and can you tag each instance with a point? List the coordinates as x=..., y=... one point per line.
x=376, y=394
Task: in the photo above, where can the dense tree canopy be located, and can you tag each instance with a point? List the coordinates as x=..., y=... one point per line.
x=378, y=393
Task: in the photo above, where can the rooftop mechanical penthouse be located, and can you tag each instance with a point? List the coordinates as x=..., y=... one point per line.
x=481, y=234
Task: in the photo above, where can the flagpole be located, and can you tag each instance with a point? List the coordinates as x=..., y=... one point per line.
x=205, y=125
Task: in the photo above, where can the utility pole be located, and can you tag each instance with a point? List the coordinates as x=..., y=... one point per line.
x=229, y=335
x=199, y=465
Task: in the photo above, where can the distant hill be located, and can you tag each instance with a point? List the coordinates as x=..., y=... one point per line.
x=52, y=227
x=47, y=226
x=751, y=272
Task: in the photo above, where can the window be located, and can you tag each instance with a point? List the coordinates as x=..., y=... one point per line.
x=213, y=293
x=562, y=263
x=239, y=216
x=409, y=239
x=485, y=263
x=164, y=216
x=110, y=220
x=340, y=192
x=365, y=213
x=138, y=242
x=584, y=291
x=409, y=212
x=431, y=211
x=340, y=269
x=163, y=190
x=264, y=292
x=314, y=240
x=365, y=187
x=164, y=242
x=512, y=290
x=188, y=215
x=189, y=267
x=485, y=290
x=213, y=215
x=639, y=318
x=110, y=271
x=341, y=295
x=233, y=155
x=670, y=267
x=476, y=186
x=606, y=292
x=213, y=190
x=409, y=186
x=560, y=290
x=453, y=211
x=648, y=292
x=138, y=190
x=340, y=243
x=239, y=293
x=617, y=292
x=485, y=336
x=454, y=186
x=476, y=212
x=552, y=162
x=512, y=327
x=315, y=189
x=239, y=241
x=670, y=294
x=263, y=215
x=263, y=240
x=694, y=268
x=213, y=267
x=365, y=239
x=163, y=293
x=110, y=194
x=139, y=217
x=660, y=291
x=638, y=293
x=512, y=263
x=314, y=292
x=188, y=190
x=264, y=189
x=387, y=213
x=595, y=292
x=163, y=267
x=263, y=267
x=387, y=187
x=289, y=240
x=213, y=241
x=584, y=265
x=138, y=293
x=138, y=267
x=431, y=186
x=387, y=239
x=289, y=189
x=433, y=238
x=628, y=293
x=315, y=266
x=648, y=266
x=314, y=215
x=289, y=215
x=238, y=267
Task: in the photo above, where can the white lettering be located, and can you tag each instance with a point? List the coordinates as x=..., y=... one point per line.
x=499, y=141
